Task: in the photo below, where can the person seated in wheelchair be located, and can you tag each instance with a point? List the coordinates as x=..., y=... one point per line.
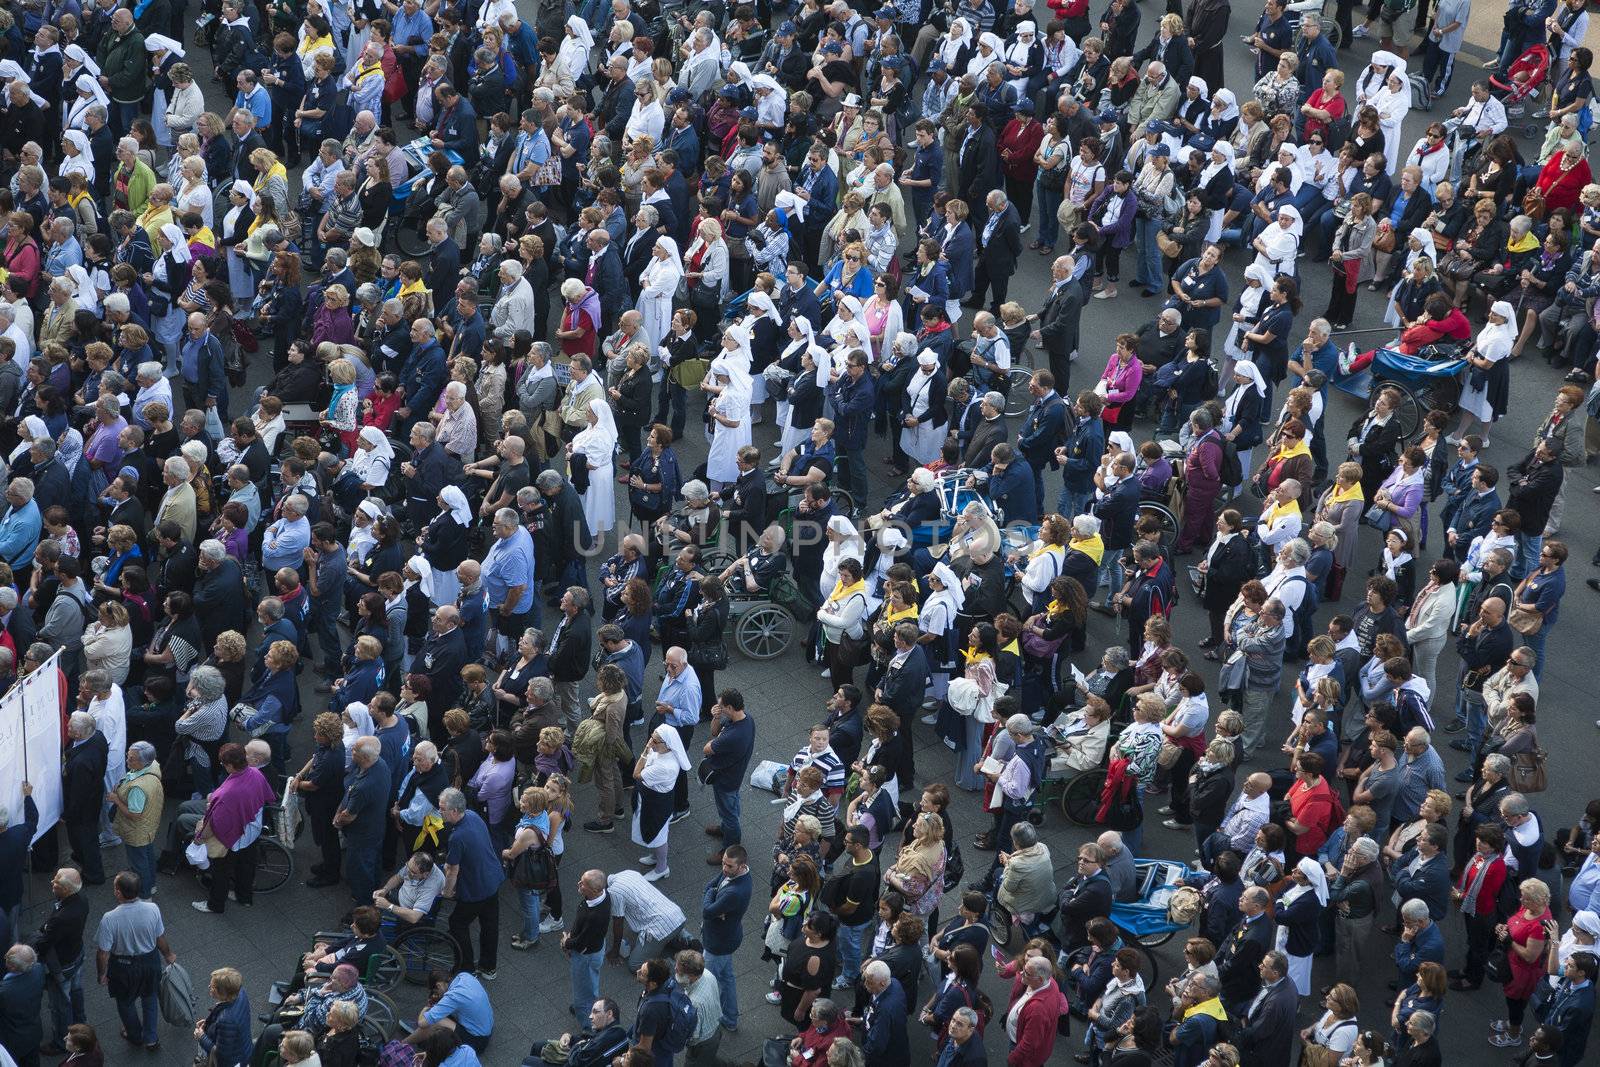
x=410, y=896
x=1078, y=741
x=364, y=941
x=811, y=462
x=309, y=1009
x=596, y=1045
x=991, y=354
x=752, y=573
x=1027, y=886
x=694, y=525
x=626, y=564
x=920, y=503
x=1155, y=480
x=1007, y=481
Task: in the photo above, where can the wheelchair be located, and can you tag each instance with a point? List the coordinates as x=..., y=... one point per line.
x=763, y=623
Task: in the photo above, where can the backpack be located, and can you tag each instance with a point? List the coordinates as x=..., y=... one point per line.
x=1231, y=470
x=684, y=1020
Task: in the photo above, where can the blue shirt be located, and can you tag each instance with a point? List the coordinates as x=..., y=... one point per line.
x=67, y=254
x=395, y=749
x=285, y=543
x=19, y=534
x=259, y=104
x=1584, y=893
x=415, y=30
x=366, y=796
x=465, y=1000
x=682, y=694
x=477, y=862
x=509, y=563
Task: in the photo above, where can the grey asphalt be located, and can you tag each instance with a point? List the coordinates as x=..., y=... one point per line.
x=787, y=695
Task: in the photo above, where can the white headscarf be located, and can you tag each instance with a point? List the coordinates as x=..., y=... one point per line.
x=604, y=432
x=1248, y=369
x=380, y=444
x=761, y=301
x=1494, y=342
x=1298, y=227
x=1205, y=90
x=83, y=288
x=76, y=53
x=1213, y=168
x=1314, y=874
x=424, y=574
x=363, y=537
x=180, y=244
x=364, y=726
x=1230, y=105
x=455, y=502
x=157, y=43
x=949, y=47
x=952, y=594
x=668, y=735
x=35, y=429
x=741, y=355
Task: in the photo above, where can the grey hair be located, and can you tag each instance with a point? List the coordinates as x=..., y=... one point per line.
x=1023, y=835
x=178, y=467
x=1424, y=1019
x=213, y=550
x=650, y=214
x=1499, y=763
x=877, y=970
x=1513, y=806
x=452, y=800
x=81, y=723
x=1085, y=526
x=1117, y=655
x=148, y=371
x=145, y=751
x=1019, y=724
x=548, y=480
x=23, y=487
x=98, y=680
x=393, y=306
x=45, y=446
x=995, y=400
x=1414, y=910
x=367, y=293
x=297, y=503
x=542, y=688
x=115, y=302
x=208, y=683
x=506, y=515
x=966, y=1015
x=20, y=958
x=427, y=750
x=424, y=430
x=271, y=607
x=1364, y=848
x=1298, y=550
x=695, y=489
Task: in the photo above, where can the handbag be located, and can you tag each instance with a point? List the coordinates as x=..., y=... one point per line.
x=1526, y=621
x=1498, y=967
x=1168, y=756
x=531, y=869
x=1533, y=204
x=1528, y=772
x=1385, y=240
x=1379, y=519
x=1040, y=647
x=713, y=655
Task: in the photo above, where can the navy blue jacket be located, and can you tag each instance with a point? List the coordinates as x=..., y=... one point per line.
x=722, y=913
x=21, y=997
x=227, y=1029
x=885, y=1042
x=1086, y=443
x=853, y=402
x=1012, y=491
x=958, y=256
x=14, y=843
x=422, y=377
x=458, y=129
x=1044, y=427
x=1116, y=512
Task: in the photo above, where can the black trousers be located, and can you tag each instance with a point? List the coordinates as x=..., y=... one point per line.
x=487, y=914
x=236, y=870
x=327, y=840
x=83, y=838
x=1480, y=939
x=998, y=286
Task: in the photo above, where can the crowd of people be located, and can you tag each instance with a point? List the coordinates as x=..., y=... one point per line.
x=450, y=300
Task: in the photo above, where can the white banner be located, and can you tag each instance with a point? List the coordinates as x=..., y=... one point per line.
x=30, y=744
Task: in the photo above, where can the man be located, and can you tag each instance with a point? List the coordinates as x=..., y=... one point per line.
x=362, y=817
x=666, y=1019
x=1087, y=896
x=444, y=264
x=508, y=571
x=990, y=431
x=853, y=395
x=604, y=274
x=473, y=874
x=1421, y=941
x=1031, y=1018
x=570, y=647
x=464, y=1008
x=1570, y=1009
x=678, y=705
x=704, y=993
x=1472, y=499
x=1532, y=485
x=977, y=165
x=1044, y=427
x=723, y=907
x=1420, y=770
x=884, y=1040
x=421, y=379
x=15, y=840
x=1422, y=873
x=1241, y=953
x=1482, y=119
x=1156, y=98
x=1267, y=1032
x=124, y=70
x=456, y=127
x=444, y=653
x=851, y=893
x=82, y=791
x=130, y=945
x=1117, y=862
x=59, y=943
x=733, y=738
x=1000, y=248
x=585, y=943
x=21, y=998
x=639, y=908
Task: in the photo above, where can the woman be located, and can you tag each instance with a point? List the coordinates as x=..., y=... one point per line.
x=1119, y=383
x=809, y=967
x=705, y=624
x=656, y=771
x=1278, y=91
x=223, y=1036
x=959, y=989
x=1278, y=245
x=1352, y=243
x=1525, y=935
x=1053, y=158
x=730, y=386
x=1538, y=599
x=1337, y=1028
x=594, y=447
x=918, y=871
x=1342, y=505
x=658, y=283
x=842, y=617
x=108, y=642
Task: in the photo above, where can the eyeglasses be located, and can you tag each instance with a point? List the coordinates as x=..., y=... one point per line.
x=853, y=259
x=1316, y=140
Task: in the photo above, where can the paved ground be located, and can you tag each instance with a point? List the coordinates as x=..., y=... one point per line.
x=786, y=696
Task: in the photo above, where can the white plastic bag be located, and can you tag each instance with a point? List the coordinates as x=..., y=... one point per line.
x=195, y=853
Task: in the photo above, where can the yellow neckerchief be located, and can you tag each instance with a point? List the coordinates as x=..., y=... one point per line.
x=1299, y=448
x=1528, y=243
x=1056, y=607
x=1212, y=1007
x=842, y=592
x=363, y=72
x=974, y=655
x=1015, y=647
x=1047, y=548
x=1343, y=496
x=77, y=198
x=309, y=45
x=1271, y=514
x=1093, y=547
x=275, y=171
x=411, y=287
x=255, y=224
x=895, y=616
x=204, y=236
x=152, y=212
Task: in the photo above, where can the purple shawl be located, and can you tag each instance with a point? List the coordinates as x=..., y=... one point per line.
x=235, y=803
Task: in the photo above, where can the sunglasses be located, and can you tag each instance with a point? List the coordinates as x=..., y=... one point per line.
x=1316, y=140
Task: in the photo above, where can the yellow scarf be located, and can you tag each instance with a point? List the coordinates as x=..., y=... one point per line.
x=1093, y=547
x=1271, y=514
x=416, y=287
x=1528, y=243
x=896, y=616
x=205, y=237
x=1212, y=1007
x=842, y=592
x=1048, y=548
x=1015, y=647
x=974, y=655
x=1344, y=496
x=1299, y=448
x=1056, y=607
x=309, y=45
x=276, y=171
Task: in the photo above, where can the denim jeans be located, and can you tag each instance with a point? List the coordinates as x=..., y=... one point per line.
x=728, y=814
x=530, y=913
x=1477, y=718
x=850, y=951
x=1049, y=201
x=65, y=990
x=855, y=475
x=1147, y=272
x=1073, y=503
x=138, y=1015
x=585, y=980
x=1110, y=575
x=122, y=116
x=361, y=869
x=1535, y=641
x=325, y=625
x=142, y=861
x=1532, y=544
x=722, y=967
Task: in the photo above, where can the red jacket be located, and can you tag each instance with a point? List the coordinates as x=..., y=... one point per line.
x=1036, y=1026
x=1454, y=326
x=1561, y=189
x=1493, y=879
x=1313, y=807
x=1017, y=146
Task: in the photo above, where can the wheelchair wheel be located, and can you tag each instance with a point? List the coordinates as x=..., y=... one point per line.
x=1017, y=398
x=411, y=239
x=381, y=1019
x=274, y=866
x=843, y=502
x=998, y=920
x=764, y=632
x=716, y=562
x=1080, y=800
x=423, y=949
x=1169, y=521
x=384, y=972
x=1409, y=413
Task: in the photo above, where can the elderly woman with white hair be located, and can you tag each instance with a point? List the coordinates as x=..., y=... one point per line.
x=514, y=306
x=579, y=328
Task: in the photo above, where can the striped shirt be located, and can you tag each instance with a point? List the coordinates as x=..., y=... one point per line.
x=825, y=761
x=648, y=912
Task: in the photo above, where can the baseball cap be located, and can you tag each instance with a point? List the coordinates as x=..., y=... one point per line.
x=787, y=28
